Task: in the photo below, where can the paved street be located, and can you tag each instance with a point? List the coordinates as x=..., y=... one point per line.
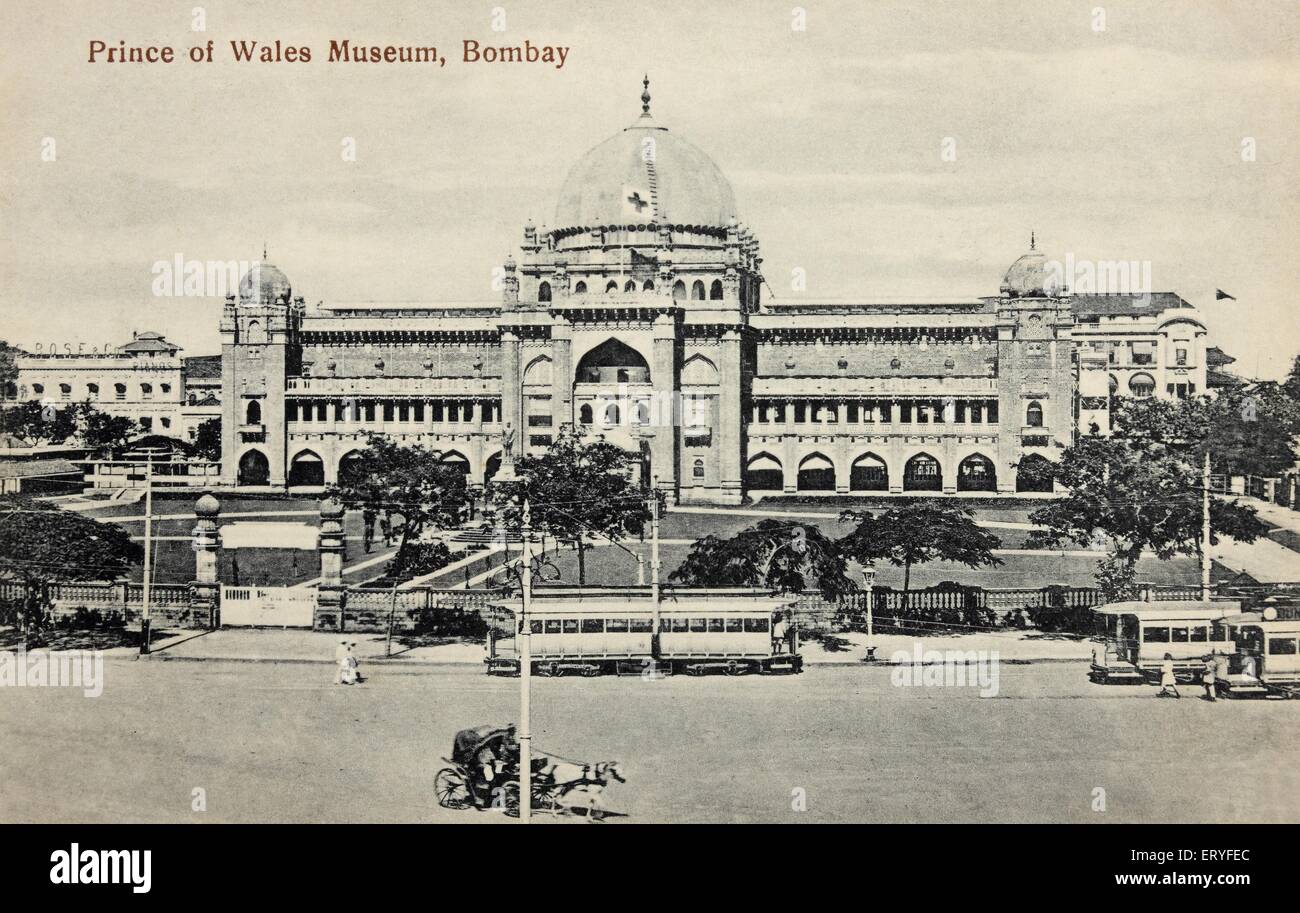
x=272, y=742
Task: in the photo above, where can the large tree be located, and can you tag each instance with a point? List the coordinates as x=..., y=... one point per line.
x=207, y=439
x=412, y=482
x=104, y=432
x=40, y=545
x=1140, y=488
x=8, y=370
x=34, y=423
x=576, y=490
x=917, y=532
x=790, y=557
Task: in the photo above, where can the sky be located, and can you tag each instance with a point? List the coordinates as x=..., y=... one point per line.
x=1123, y=142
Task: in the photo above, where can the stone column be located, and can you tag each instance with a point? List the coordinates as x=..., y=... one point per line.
x=561, y=374
x=333, y=550
x=730, y=454
x=511, y=393
x=663, y=376
x=205, y=590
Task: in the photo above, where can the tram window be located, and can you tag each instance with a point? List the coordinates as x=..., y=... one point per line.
x=1200, y=634
x=1179, y=635
x=552, y=626
x=535, y=626
x=1156, y=635
x=1217, y=632
x=1281, y=646
x=616, y=626
x=570, y=625
x=678, y=624
x=735, y=625
x=642, y=625
x=593, y=626
x=699, y=625
x=755, y=625
x=715, y=625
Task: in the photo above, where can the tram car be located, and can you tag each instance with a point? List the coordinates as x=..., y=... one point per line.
x=1133, y=637
x=588, y=632
x=1266, y=661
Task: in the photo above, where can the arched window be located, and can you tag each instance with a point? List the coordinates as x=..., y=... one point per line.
x=715, y=290
x=584, y=414
x=1142, y=385
x=697, y=290
x=253, y=414
x=679, y=290
x=868, y=473
x=92, y=391
x=65, y=391
x=39, y=389
x=146, y=391
x=580, y=288
x=119, y=391
x=697, y=469
x=1034, y=414
x=630, y=285
x=612, y=414
x=921, y=473
x=976, y=473
x=643, y=413
x=544, y=292
x=648, y=287
x=611, y=287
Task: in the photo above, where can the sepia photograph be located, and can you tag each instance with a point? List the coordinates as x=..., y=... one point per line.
x=431, y=413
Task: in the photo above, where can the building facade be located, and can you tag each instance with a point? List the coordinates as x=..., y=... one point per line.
x=638, y=318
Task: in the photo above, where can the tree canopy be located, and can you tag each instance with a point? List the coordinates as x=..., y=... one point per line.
x=789, y=557
x=576, y=489
x=916, y=533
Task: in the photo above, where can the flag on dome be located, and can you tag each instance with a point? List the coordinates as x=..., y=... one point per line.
x=637, y=202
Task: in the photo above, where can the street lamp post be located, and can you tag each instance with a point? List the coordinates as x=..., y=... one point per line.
x=145, y=620
x=869, y=578
x=526, y=671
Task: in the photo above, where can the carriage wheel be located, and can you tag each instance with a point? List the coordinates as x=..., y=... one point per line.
x=451, y=789
x=546, y=796
x=510, y=796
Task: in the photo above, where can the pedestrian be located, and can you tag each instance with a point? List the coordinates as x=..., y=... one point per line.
x=368, y=528
x=1209, y=676
x=341, y=661
x=353, y=674
x=1168, y=684
x=778, y=631
x=386, y=527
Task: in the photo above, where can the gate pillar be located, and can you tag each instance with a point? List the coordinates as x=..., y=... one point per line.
x=333, y=549
x=204, y=589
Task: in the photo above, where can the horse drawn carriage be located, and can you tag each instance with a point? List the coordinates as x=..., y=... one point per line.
x=484, y=773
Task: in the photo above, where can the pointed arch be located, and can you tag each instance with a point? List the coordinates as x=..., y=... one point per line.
x=649, y=286
x=491, y=467
x=679, y=290
x=457, y=459
x=544, y=292
x=816, y=473
x=580, y=288
x=306, y=468
x=697, y=290
x=922, y=473
x=611, y=287
x=253, y=413
x=629, y=286
x=699, y=371
x=763, y=472
x=977, y=473
x=1034, y=414
x=715, y=290
x=539, y=372
x=1033, y=473
x=352, y=462
x=613, y=361
x=869, y=472
x=254, y=468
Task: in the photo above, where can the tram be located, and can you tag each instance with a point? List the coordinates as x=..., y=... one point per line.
x=1266, y=661
x=592, y=632
x=1133, y=637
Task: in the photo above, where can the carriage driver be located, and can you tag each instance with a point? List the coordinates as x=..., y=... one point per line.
x=491, y=760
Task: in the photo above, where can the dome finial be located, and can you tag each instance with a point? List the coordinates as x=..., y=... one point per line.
x=1032, y=240
x=263, y=250
x=645, y=96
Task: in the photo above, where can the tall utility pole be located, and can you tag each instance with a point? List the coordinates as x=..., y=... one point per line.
x=526, y=671
x=655, y=596
x=1205, y=528
x=148, y=553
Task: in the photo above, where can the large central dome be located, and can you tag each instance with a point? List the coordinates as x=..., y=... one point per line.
x=644, y=174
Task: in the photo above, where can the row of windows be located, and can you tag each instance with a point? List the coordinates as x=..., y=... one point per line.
x=645, y=626
x=1282, y=646
x=1192, y=634
x=680, y=292
x=92, y=390
x=371, y=411
x=909, y=412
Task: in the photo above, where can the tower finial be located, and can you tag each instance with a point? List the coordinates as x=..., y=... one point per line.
x=1032, y=240
x=263, y=250
x=645, y=96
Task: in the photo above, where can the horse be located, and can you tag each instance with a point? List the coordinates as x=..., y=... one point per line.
x=580, y=785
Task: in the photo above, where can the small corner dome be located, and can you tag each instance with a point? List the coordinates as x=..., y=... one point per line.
x=265, y=283
x=1028, y=276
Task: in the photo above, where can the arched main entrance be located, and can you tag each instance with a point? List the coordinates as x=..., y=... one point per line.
x=254, y=468
x=613, y=362
x=922, y=474
x=816, y=473
x=976, y=473
x=306, y=469
x=869, y=473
